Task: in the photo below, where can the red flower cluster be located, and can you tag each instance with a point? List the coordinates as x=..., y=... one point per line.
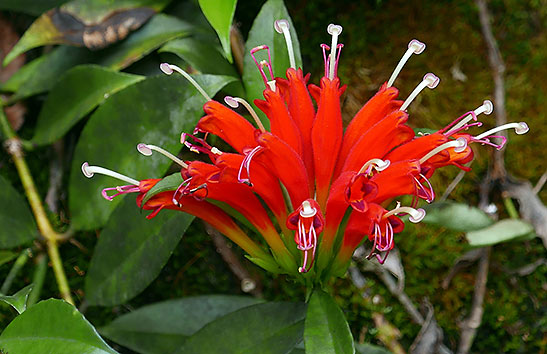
x=311, y=188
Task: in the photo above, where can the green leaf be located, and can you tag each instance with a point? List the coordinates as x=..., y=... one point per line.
x=273, y=327
x=367, y=348
x=263, y=32
x=31, y=7
x=18, y=226
x=501, y=231
x=6, y=256
x=163, y=327
x=169, y=183
x=220, y=15
x=201, y=55
x=79, y=91
x=456, y=216
x=80, y=22
x=52, y=326
x=154, y=111
x=160, y=29
x=327, y=330
x=131, y=252
x=18, y=300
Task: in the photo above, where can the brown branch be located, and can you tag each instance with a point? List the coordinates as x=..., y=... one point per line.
x=248, y=283
x=471, y=324
x=498, y=69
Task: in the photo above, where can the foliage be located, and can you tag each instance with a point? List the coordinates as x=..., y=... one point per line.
x=142, y=283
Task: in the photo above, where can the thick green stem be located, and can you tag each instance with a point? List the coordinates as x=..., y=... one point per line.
x=14, y=148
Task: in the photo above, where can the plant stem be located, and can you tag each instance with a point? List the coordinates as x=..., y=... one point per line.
x=19, y=263
x=38, y=279
x=14, y=147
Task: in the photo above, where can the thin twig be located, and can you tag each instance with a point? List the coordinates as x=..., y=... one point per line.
x=452, y=185
x=498, y=69
x=55, y=177
x=248, y=283
x=470, y=325
x=540, y=183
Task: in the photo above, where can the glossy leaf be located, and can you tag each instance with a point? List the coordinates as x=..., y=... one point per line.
x=163, y=327
x=273, y=327
x=160, y=29
x=80, y=22
x=501, y=231
x=220, y=15
x=52, y=326
x=79, y=91
x=169, y=183
x=263, y=32
x=18, y=226
x=327, y=330
x=18, y=300
x=155, y=111
x=366, y=348
x=131, y=252
x=201, y=55
x=456, y=216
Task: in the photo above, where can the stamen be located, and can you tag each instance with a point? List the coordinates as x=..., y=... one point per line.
x=147, y=149
x=414, y=47
x=334, y=31
x=377, y=164
x=487, y=107
x=205, y=148
x=282, y=26
x=416, y=215
x=182, y=189
x=234, y=103
x=120, y=189
x=325, y=59
x=89, y=171
x=247, y=164
x=429, y=80
x=263, y=63
x=459, y=145
x=169, y=68
x=428, y=194
x=520, y=128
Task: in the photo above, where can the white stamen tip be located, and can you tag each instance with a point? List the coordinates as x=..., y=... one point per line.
x=417, y=46
x=166, y=68
x=307, y=210
x=271, y=84
x=462, y=145
x=488, y=107
x=380, y=166
x=522, y=128
x=417, y=216
x=279, y=25
x=432, y=80
x=85, y=170
x=144, y=149
x=230, y=101
x=333, y=29
x=216, y=151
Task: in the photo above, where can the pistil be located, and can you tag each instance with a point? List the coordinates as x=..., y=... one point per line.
x=234, y=103
x=282, y=26
x=334, y=31
x=89, y=171
x=146, y=150
x=429, y=80
x=169, y=68
x=414, y=47
x=459, y=145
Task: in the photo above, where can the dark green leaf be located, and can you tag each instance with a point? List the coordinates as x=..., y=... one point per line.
x=31, y=7
x=79, y=91
x=163, y=327
x=169, y=183
x=52, y=326
x=160, y=29
x=18, y=226
x=153, y=111
x=80, y=22
x=263, y=32
x=501, y=231
x=18, y=300
x=327, y=330
x=456, y=216
x=201, y=55
x=131, y=252
x=6, y=256
x=366, y=348
x=220, y=15
x=274, y=327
